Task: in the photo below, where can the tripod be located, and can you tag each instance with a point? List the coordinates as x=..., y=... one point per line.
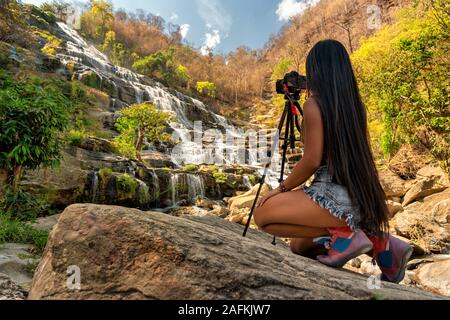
x=289, y=121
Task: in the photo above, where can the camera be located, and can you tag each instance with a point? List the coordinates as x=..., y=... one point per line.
x=294, y=82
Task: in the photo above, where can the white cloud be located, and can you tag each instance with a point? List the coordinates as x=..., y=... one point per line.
x=214, y=15
x=290, y=8
x=212, y=40
x=184, y=30
x=174, y=16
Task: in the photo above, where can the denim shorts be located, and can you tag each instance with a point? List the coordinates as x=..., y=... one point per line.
x=333, y=197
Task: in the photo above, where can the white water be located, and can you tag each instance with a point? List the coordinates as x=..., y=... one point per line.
x=88, y=58
x=193, y=183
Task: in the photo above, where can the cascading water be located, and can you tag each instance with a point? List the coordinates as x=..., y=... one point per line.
x=185, y=186
x=94, y=187
x=129, y=87
x=155, y=185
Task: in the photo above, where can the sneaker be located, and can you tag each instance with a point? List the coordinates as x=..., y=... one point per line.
x=392, y=256
x=344, y=246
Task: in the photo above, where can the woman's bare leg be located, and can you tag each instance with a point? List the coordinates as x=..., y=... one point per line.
x=294, y=215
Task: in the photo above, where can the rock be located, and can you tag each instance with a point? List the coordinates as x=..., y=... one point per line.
x=10, y=290
x=46, y=223
x=157, y=160
x=414, y=264
x=394, y=207
x=441, y=212
x=435, y=277
x=246, y=200
x=61, y=186
x=188, y=211
x=425, y=223
x=17, y=262
x=393, y=185
x=220, y=212
x=97, y=145
x=205, y=203
x=431, y=180
x=239, y=216
x=129, y=254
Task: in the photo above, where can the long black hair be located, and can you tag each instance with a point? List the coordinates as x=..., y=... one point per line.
x=332, y=83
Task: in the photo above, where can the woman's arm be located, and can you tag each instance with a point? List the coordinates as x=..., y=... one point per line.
x=313, y=132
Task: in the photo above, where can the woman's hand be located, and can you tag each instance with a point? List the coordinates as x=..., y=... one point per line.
x=271, y=194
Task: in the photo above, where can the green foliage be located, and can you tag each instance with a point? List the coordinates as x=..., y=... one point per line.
x=20, y=232
x=283, y=67
x=220, y=177
x=137, y=123
x=207, y=88
x=22, y=206
x=162, y=66
x=191, y=168
x=105, y=173
x=76, y=137
x=127, y=186
x=403, y=73
x=253, y=179
x=97, y=21
x=33, y=116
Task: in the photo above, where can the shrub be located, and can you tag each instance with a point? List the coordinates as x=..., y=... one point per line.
x=191, y=168
x=20, y=232
x=76, y=137
x=220, y=177
x=127, y=186
x=22, y=206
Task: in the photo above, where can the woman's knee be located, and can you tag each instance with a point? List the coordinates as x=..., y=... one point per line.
x=259, y=217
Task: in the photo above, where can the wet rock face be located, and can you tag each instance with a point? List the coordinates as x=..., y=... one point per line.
x=129, y=254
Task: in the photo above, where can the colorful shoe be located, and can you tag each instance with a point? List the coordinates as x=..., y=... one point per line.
x=392, y=256
x=345, y=245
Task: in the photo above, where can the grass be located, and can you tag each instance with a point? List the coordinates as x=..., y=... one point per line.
x=21, y=232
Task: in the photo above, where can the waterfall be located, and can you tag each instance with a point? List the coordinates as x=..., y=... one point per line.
x=247, y=182
x=196, y=187
x=143, y=194
x=130, y=87
x=185, y=186
x=155, y=185
x=174, y=179
x=94, y=187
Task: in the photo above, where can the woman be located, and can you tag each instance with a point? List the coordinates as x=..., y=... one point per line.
x=345, y=200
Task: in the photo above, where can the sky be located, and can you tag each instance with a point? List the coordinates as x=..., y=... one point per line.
x=220, y=25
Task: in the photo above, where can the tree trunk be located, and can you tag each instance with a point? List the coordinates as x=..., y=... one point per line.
x=14, y=177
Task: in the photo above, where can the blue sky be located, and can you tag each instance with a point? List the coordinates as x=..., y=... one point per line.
x=220, y=25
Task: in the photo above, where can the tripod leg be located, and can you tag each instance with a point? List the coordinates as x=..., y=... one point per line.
x=285, y=144
x=266, y=169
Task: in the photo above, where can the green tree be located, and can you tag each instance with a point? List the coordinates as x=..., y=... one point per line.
x=207, y=88
x=96, y=22
x=162, y=66
x=138, y=123
x=403, y=73
x=33, y=116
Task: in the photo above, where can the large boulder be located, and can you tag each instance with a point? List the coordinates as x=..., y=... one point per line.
x=431, y=180
x=129, y=254
x=393, y=185
x=427, y=222
x=245, y=201
x=435, y=277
